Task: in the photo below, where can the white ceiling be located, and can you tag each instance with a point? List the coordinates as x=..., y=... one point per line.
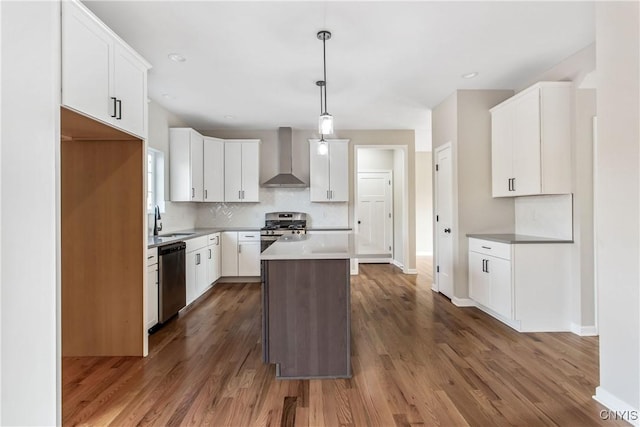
x=388, y=63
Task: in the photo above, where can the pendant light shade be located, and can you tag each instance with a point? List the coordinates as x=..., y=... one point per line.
x=323, y=148
x=325, y=121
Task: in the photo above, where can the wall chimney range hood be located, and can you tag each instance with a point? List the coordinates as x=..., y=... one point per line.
x=285, y=177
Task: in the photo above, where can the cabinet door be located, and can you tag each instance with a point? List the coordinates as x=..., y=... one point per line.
x=86, y=61
x=338, y=172
x=202, y=271
x=318, y=174
x=197, y=166
x=229, y=255
x=213, y=260
x=501, y=286
x=248, y=258
x=152, y=295
x=191, y=276
x=479, y=281
x=129, y=88
x=250, y=171
x=213, y=170
x=502, y=151
x=232, y=172
x=526, y=145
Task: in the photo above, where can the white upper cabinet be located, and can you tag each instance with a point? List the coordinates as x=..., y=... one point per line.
x=329, y=173
x=102, y=76
x=531, y=142
x=213, y=156
x=241, y=170
x=186, y=150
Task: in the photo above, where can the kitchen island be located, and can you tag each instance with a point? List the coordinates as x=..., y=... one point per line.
x=306, y=305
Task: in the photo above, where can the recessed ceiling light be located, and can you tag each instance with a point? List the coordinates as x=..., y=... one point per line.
x=470, y=75
x=176, y=57
x=168, y=96
x=229, y=117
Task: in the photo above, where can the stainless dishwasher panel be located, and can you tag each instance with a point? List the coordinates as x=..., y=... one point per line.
x=172, y=284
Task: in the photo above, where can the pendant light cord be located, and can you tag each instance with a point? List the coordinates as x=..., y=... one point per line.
x=324, y=62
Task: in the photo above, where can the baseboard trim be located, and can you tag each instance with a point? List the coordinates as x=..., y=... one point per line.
x=434, y=287
x=409, y=271
x=463, y=302
x=584, y=331
x=242, y=279
x=397, y=264
x=617, y=409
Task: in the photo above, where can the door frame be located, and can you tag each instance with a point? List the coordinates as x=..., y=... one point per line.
x=356, y=227
x=436, y=247
x=404, y=217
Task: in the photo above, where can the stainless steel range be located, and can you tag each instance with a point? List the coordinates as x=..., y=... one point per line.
x=277, y=224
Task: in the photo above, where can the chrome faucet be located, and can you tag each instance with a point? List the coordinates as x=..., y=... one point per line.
x=157, y=221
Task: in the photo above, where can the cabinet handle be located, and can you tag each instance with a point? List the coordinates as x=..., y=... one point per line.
x=209, y=253
x=513, y=184
x=484, y=265
x=150, y=256
x=486, y=247
x=193, y=192
x=239, y=195
x=113, y=98
x=205, y=194
x=119, y=103
x=198, y=259
x=239, y=249
x=217, y=240
x=328, y=196
x=242, y=194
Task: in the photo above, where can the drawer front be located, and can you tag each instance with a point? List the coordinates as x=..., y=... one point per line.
x=152, y=256
x=196, y=243
x=213, y=239
x=248, y=236
x=488, y=247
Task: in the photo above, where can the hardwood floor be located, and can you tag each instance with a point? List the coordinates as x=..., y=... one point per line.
x=417, y=360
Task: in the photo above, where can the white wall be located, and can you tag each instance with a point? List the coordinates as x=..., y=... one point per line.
x=30, y=137
x=424, y=203
x=374, y=158
x=618, y=203
x=399, y=207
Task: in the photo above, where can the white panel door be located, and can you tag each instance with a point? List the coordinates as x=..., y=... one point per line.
x=229, y=255
x=444, y=221
x=318, y=174
x=250, y=171
x=501, y=286
x=479, y=280
x=338, y=171
x=197, y=166
x=232, y=172
x=129, y=87
x=213, y=164
x=375, y=219
x=526, y=145
x=249, y=258
x=86, y=62
x=502, y=151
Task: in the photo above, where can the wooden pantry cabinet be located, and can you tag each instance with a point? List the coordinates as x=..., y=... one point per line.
x=531, y=142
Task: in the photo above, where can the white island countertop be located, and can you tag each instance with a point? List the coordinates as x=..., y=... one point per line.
x=311, y=246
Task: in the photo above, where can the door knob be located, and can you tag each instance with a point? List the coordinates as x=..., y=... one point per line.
x=447, y=230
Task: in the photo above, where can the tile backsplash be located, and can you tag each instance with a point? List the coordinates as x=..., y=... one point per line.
x=272, y=200
x=545, y=216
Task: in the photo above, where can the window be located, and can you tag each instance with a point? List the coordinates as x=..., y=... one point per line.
x=155, y=180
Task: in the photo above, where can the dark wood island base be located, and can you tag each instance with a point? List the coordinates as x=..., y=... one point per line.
x=306, y=328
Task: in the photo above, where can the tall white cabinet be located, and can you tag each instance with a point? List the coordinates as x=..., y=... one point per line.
x=187, y=165
x=213, y=169
x=329, y=173
x=102, y=77
x=241, y=170
x=531, y=142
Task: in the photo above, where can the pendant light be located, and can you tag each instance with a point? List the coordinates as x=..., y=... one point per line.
x=323, y=148
x=325, y=122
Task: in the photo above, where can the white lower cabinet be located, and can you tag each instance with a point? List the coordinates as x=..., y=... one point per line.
x=196, y=271
x=525, y=285
x=152, y=287
x=213, y=257
x=240, y=253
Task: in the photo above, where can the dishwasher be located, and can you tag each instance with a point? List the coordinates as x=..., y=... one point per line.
x=171, y=280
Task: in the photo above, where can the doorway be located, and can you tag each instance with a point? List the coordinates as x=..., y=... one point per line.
x=375, y=214
x=444, y=218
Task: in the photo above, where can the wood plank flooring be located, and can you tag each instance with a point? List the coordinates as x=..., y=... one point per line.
x=417, y=361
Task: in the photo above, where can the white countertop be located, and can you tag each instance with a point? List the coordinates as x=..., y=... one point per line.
x=311, y=246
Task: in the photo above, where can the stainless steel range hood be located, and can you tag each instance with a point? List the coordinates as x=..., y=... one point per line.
x=285, y=176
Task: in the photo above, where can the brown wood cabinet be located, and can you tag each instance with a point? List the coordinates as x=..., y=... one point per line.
x=306, y=317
